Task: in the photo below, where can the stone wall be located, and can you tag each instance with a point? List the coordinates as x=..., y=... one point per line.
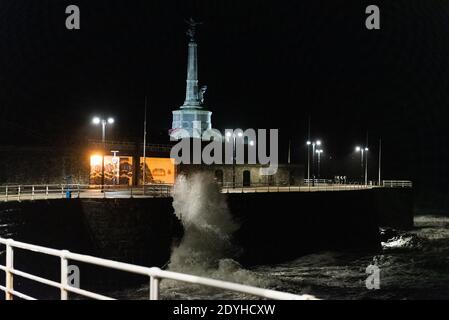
x=274, y=227
x=43, y=165
x=286, y=174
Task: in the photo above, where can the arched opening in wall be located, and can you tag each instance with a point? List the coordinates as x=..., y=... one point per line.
x=219, y=176
x=246, y=178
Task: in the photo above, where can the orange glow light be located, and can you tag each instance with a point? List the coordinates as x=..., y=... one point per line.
x=96, y=160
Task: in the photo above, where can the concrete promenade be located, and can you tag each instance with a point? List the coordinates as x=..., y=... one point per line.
x=51, y=192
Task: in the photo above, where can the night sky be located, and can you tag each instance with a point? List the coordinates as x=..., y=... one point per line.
x=268, y=64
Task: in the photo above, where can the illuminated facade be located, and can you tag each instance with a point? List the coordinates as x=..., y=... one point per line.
x=117, y=170
x=158, y=170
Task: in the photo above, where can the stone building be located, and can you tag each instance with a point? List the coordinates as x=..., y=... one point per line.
x=248, y=175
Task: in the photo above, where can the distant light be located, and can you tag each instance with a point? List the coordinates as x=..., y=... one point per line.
x=357, y=149
x=309, y=143
x=318, y=143
x=240, y=134
x=96, y=160
x=228, y=134
x=251, y=143
x=96, y=120
x=111, y=120
x=366, y=149
x=319, y=151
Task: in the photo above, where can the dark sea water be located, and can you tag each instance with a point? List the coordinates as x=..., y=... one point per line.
x=413, y=265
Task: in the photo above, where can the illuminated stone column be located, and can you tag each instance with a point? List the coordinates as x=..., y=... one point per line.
x=192, y=90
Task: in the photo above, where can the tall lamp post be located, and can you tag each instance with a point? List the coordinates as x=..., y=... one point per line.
x=103, y=122
x=234, y=150
x=363, y=152
x=314, y=144
x=319, y=152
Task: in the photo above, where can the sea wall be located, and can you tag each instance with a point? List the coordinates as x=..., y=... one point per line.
x=395, y=207
x=279, y=226
x=274, y=227
x=129, y=230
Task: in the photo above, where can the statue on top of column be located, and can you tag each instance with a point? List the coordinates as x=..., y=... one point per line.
x=191, y=31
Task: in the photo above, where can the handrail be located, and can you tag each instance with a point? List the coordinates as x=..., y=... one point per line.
x=155, y=275
x=397, y=184
x=61, y=191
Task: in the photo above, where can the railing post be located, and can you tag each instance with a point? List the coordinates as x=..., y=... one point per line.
x=64, y=273
x=46, y=192
x=6, y=196
x=62, y=191
x=32, y=192
x=9, y=267
x=154, y=288
x=18, y=194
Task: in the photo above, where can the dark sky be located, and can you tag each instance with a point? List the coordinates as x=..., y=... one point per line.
x=268, y=64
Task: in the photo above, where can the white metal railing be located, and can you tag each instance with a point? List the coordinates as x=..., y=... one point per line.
x=264, y=188
x=155, y=276
x=318, y=181
x=55, y=191
x=397, y=184
x=60, y=191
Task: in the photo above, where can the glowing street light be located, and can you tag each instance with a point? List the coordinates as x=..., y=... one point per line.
x=104, y=122
x=314, y=144
x=96, y=121
x=363, y=152
x=319, y=152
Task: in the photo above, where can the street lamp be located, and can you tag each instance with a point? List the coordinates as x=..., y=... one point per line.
x=104, y=122
x=319, y=152
x=314, y=144
x=234, y=136
x=363, y=151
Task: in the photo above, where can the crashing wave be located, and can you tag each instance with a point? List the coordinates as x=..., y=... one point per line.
x=206, y=248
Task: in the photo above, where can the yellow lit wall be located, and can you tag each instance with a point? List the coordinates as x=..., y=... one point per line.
x=116, y=172
x=159, y=170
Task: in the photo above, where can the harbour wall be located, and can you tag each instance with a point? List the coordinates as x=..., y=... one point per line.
x=273, y=226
